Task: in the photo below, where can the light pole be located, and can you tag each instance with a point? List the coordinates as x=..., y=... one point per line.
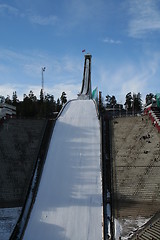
x=43, y=69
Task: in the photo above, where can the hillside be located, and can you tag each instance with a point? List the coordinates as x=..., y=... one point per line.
x=136, y=166
x=19, y=145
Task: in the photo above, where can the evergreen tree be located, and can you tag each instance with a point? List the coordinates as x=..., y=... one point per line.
x=59, y=106
x=32, y=97
x=50, y=105
x=63, y=98
x=111, y=101
x=149, y=98
x=129, y=101
x=137, y=103
x=108, y=100
x=41, y=95
x=29, y=106
x=15, y=98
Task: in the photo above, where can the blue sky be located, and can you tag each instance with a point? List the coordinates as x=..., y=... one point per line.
x=123, y=37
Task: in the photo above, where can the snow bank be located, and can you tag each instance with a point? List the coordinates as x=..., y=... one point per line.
x=8, y=220
x=125, y=228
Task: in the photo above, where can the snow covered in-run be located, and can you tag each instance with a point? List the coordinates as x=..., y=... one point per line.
x=69, y=199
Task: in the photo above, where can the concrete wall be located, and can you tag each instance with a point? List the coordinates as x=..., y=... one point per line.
x=19, y=145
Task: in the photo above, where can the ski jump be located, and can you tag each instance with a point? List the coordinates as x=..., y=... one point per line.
x=68, y=204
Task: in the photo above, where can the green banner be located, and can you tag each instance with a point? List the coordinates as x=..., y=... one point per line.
x=95, y=94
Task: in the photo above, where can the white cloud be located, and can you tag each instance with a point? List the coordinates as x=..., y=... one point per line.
x=6, y=9
x=130, y=77
x=71, y=90
x=145, y=17
x=22, y=72
x=49, y=20
x=11, y=56
x=32, y=63
x=135, y=84
x=7, y=89
x=84, y=15
x=111, y=41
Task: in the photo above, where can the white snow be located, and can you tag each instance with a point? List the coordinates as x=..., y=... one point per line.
x=118, y=229
x=125, y=228
x=69, y=200
x=8, y=220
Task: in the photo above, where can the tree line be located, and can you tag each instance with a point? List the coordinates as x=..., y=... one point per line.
x=46, y=106
x=32, y=107
x=133, y=102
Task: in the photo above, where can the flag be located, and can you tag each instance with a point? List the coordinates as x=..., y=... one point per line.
x=83, y=50
x=95, y=94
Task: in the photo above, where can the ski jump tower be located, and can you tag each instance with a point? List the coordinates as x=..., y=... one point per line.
x=86, y=91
